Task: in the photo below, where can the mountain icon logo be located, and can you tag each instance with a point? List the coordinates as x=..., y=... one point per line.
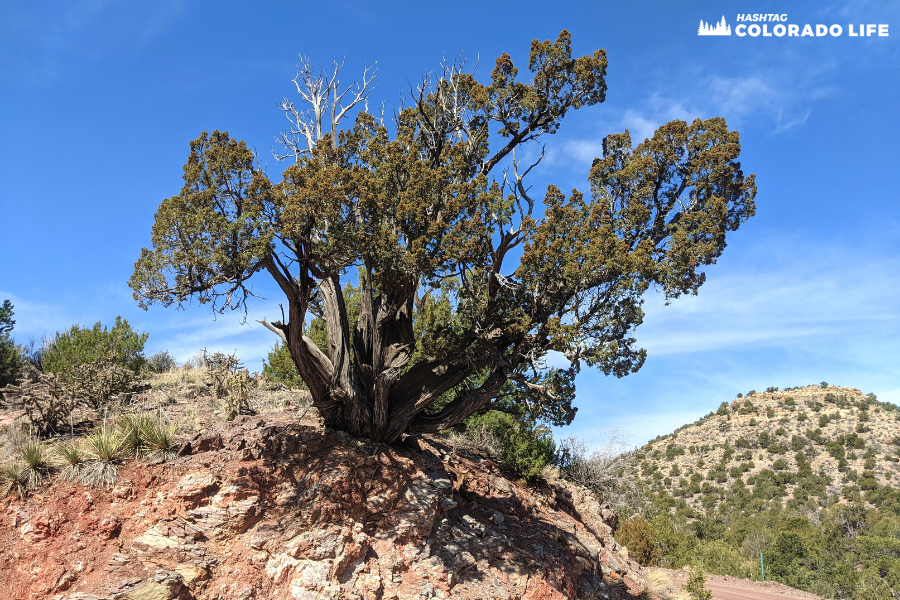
x=720, y=28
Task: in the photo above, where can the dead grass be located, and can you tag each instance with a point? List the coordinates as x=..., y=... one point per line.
x=15, y=436
x=478, y=440
x=183, y=376
x=659, y=586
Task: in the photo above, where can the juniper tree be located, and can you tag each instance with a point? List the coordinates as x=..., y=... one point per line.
x=10, y=352
x=466, y=279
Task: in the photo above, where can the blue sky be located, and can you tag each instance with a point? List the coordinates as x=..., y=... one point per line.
x=100, y=99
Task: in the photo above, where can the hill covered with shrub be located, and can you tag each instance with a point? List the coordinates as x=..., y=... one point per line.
x=808, y=476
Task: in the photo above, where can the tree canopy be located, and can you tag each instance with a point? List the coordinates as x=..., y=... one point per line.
x=10, y=352
x=465, y=281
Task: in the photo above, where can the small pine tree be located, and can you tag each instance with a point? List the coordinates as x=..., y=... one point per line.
x=10, y=353
x=279, y=366
x=696, y=586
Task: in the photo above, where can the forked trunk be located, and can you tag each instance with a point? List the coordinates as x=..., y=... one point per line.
x=364, y=384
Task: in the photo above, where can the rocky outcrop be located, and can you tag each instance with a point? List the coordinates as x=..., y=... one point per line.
x=270, y=509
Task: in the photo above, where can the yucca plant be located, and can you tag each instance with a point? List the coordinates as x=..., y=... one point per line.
x=158, y=439
x=73, y=458
x=11, y=478
x=129, y=427
x=106, y=446
x=38, y=464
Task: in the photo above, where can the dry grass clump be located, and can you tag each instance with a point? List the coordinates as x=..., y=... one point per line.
x=187, y=375
x=610, y=470
x=15, y=436
x=477, y=440
x=660, y=586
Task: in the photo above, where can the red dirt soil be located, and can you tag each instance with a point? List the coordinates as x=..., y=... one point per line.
x=730, y=588
x=276, y=509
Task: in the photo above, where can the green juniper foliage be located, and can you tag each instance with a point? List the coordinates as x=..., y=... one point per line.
x=10, y=353
x=421, y=207
x=81, y=345
x=162, y=362
x=279, y=366
x=696, y=587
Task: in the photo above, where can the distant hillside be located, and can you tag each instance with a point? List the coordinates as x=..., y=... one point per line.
x=801, y=444
x=809, y=477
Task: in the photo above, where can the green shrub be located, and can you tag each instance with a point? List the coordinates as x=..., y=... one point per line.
x=717, y=556
x=80, y=345
x=279, y=366
x=696, y=586
x=815, y=435
x=637, y=535
x=10, y=353
x=785, y=560
x=672, y=451
x=526, y=448
x=677, y=546
x=835, y=449
x=163, y=362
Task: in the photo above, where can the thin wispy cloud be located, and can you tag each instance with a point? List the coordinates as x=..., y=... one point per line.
x=773, y=102
x=833, y=292
x=57, y=39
